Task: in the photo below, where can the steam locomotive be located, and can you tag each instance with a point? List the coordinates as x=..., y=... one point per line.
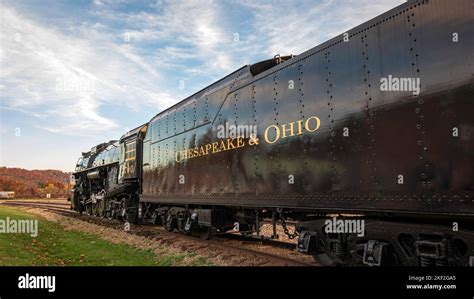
x=373, y=127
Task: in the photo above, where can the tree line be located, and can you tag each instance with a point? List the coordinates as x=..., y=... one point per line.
x=34, y=183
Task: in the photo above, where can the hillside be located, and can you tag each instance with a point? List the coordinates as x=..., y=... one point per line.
x=34, y=183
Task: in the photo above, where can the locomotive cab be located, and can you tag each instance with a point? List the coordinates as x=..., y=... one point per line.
x=131, y=145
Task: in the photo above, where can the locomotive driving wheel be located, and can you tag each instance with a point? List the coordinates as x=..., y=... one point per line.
x=88, y=208
x=120, y=210
x=102, y=206
x=95, y=208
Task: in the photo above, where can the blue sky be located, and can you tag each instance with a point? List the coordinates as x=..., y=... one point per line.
x=77, y=73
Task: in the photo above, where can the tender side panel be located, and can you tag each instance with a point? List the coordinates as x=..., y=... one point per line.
x=375, y=150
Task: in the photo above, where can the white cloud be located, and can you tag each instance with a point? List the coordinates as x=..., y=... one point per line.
x=190, y=39
x=189, y=30
x=195, y=29
x=62, y=72
x=69, y=78
x=285, y=28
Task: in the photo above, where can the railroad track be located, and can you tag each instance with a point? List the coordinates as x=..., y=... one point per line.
x=264, y=252
x=52, y=206
x=36, y=203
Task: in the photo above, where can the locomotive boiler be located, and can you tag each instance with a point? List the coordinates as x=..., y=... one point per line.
x=373, y=127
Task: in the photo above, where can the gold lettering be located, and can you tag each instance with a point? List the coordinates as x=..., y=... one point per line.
x=240, y=142
x=214, y=147
x=300, y=127
x=277, y=133
x=190, y=153
x=306, y=124
x=222, y=146
x=284, y=130
x=230, y=145
x=202, y=151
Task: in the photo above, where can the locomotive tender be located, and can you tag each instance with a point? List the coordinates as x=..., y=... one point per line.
x=375, y=124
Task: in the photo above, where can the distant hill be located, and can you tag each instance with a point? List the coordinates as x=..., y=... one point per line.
x=34, y=183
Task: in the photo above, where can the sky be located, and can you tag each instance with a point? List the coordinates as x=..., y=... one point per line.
x=77, y=73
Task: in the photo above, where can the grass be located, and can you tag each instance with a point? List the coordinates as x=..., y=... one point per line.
x=56, y=246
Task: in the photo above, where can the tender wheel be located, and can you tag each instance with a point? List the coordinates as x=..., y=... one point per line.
x=182, y=225
x=156, y=219
x=170, y=223
x=205, y=233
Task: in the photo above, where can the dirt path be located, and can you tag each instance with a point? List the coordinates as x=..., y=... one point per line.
x=190, y=252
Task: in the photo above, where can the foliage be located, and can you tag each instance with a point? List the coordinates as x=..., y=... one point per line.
x=34, y=183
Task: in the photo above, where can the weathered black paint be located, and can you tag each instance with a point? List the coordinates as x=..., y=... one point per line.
x=391, y=133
